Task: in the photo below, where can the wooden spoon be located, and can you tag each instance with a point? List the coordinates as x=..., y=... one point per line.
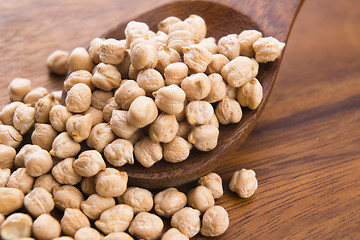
x=272, y=18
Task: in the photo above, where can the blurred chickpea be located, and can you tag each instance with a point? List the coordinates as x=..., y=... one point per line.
x=246, y=39
x=218, y=62
x=39, y=201
x=267, y=49
x=214, y=222
x=164, y=128
x=228, y=111
x=118, y=236
x=214, y=183
x=244, y=183
x=115, y=219
x=7, y=113
x=180, y=26
x=173, y=233
x=43, y=107
x=112, y=51
x=67, y=196
x=120, y=126
x=89, y=163
x=175, y=72
x=21, y=180
x=239, y=71
x=199, y=112
x=79, y=59
x=18, y=88
x=135, y=30
x=106, y=77
x=165, y=24
x=64, y=172
x=210, y=44
x=95, y=205
x=204, y=137
x=11, y=200
x=177, y=150
x=142, y=112
x=99, y=98
x=78, y=98
x=58, y=116
x=200, y=198
x=10, y=136
x=100, y=136
x=4, y=177
x=146, y=226
x=198, y=26
x=140, y=199
x=196, y=86
x=150, y=80
x=229, y=46
x=79, y=76
x=78, y=127
x=72, y=221
x=87, y=233
x=187, y=221
x=197, y=57
x=43, y=135
x=110, y=106
x=34, y=95
x=143, y=56
x=57, y=95
x=111, y=182
x=16, y=226
x=147, y=152
x=179, y=39
x=119, y=152
x=7, y=156
x=87, y=185
x=45, y=227
x=94, y=49
x=64, y=146
x=24, y=118
x=166, y=56
x=169, y=201
x=127, y=93
x=250, y=94
x=217, y=88
x=46, y=181
x=170, y=99
x=96, y=115
x=57, y=62
x=184, y=129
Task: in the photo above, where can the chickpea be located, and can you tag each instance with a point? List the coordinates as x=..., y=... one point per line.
x=210, y=44
x=87, y=185
x=132, y=73
x=118, y=236
x=10, y=136
x=228, y=111
x=7, y=156
x=169, y=201
x=179, y=39
x=67, y=196
x=11, y=200
x=196, y=86
x=4, y=177
x=96, y=115
x=95, y=205
x=119, y=152
x=187, y=221
x=57, y=95
x=144, y=40
x=170, y=99
x=147, y=152
x=21, y=180
x=78, y=98
x=135, y=30
x=99, y=98
x=100, y=136
x=87, y=233
x=143, y=56
x=180, y=26
x=79, y=59
x=127, y=93
x=78, y=127
x=46, y=181
x=229, y=46
x=16, y=226
x=57, y=62
x=64, y=146
x=166, y=56
x=244, y=183
x=246, y=39
x=239, y=71
x=142, y=112
x=37, y=161
x=204, y=137
x=175, y=72
x=43, y=107
x=217, y=88
x=72, y=221
x=110, y=106
x=267, y=49
x=34, y=95
x=164, y=128
x=198, y=26
x=120, y=126
x=39, y=201
x=150, y=80
x=250, y=94
x=43, y=135
x=58, y=116
x=200, y=198
x=79, y=76
x=24, y=118
x=199, y=112
x=112, y=51
x=45, y=227
x=197, y=57
x=140, y=199
x=165, y=24
x=106, y=77
x=214, y=222
x=173, y=233
x=231, y=92
x=218, y=62
x=19, y=158
x=111, y=182
x=146, y=226
x=64, y=172
x=177, y=150
x=184, y=129
x=214, y=183
x=18, y=88
x=214, y=121
x=7, y=113
x=94, y=49
x=89, y=163
x=115, y=219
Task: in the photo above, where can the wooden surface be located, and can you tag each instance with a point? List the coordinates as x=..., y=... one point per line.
x=305, y=147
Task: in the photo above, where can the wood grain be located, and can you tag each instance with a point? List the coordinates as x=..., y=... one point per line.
x=305, y=146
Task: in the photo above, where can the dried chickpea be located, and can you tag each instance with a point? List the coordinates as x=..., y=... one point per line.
x=43, y=135
x=124, y=66
x=7, y=156
x=57, y=62
x=16, y=226
x=87, y=233
x=204, y=137
x=38, y=201
x=199, y=112
x=146, y=226
x=164, y=128
x=110, y=106
x=179, y=39
x=177, y=150
x=119, y=152
x=111, y=182
x=120, y=126
x=217, y=88
x=187, y=221
x=128, y=91
x=175, y=72
x=58, y=116
x=57, y=95
x=64, y=172
x=267, y=49
x=170, y=99
x=67, y=196
x=34, y=95
x=246, y=40
x=79, y=76
x=218, y=62
x=79, y=59
x=197, y=57
x=228, y=111
x=239, y=71
x=118, y=236
x=18, y=88
x=21, y=180
x=11, y=199
x=37, y=161
x=169, y=201
x=196, y=86
x=214, y=222
x=142, y=112
x=24, y=118
x=64, y=146
x=210, y=44
x=244, y=183
x=87, y=185
x=250, y=94
x=99, y=98
x=78, y=127
x=112, y=51
x=184, y=129
x=198, y=26
x=173, y=233
x=89, y=163
x=166, y=56
x=229, y=46
x=135, y=30
x=19, y=158
x=45, y=227
x=95, y=205
x=143, y=56
x=115, y=219
x=214, y=183
x=140, y=199
x=150, y=80
x=72, y=221
x=78, y=98
x=100, y=136
x=147, y=152
x=106, y=77
x=94, y=49
x=7, y=113
x=165, y=24
x=180, y=26
x=43, y=107
x=10, y=136
x=4, y=177
x=200, y=198
x=46, y=181
x=96, y=115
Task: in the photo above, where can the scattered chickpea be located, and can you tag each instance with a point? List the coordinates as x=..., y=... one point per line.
x=210, y=44
x=79, y=76
x=175, y=72
x=57, y=62
x=169, y=201
x=100, y=136
x=117, y=236
x=166, y=56
x=78, y=98
x=96, y=115
x=119, y=152
x=7, y=156
x=115, y=219
x=214, y=183
x=95, y=205
x=16, y=226
x=112, y=51
x=214, y=222
x=184, y=129
x=147, y=152
x=64, y=146
x=228, y=111
x=45, y=227
x=204, y=137
x=143, y=56
x=46, y=181
x=239, y=71
x=244, y=183
x=177, y=150
x=10, y=136
x=111, y=182
x=196, y=86
x=218, y=62
x=140, y=199
x=179, y=39
x=79, y=59
x=34, y=95
x=164, y=128
x=4, y=177
x=217, y=88
x=78, y=127
x=110, y=106
x=64, y=172
x=199, y=112
x=89, y=163
x=43, y=107
x=200, y=198
x=246, y=40
x=43, y=135
x=250, y=94
x=142, y=112
x=120, y=126
x=198, y=26
x=39, y=201
x=187, y=221
x=146, y=226
x=170, y=99
x=37, y=161
x=150, y=80
x=229, y=46
x=106, y=77
x=127, y=93
x=18, y=88
x=94, y=49
x=173, y=233
x=99, y=99
x=72, y=221
x=7, y=113
x=267, y=49
x=21, y=180
x=197, y=57
x=11, y=200
x=87, y=233
x=165, y=24
x=58, y=116
x=135, y=30
x=67, y=196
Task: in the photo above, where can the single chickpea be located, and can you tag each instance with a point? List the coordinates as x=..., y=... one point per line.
x=200, y=198
x=244, y=183
x=87, y=233
x=58, y=116
x=79, y=59
x=169, y=201
x=250, y=94
x=46, y=181
x=180, y=26
x=166, y=56
x=43, y=135
x=267, y=49
x=106, y=77
x=228, y=111
x=7, y=156
x=64, y=172
x=143, y=56
x=142, y=112
x=196, y=86
x=198, y=26
x=175, y=72
x=229, y=46
x=115, y=219
x=79, y=76
x=18, y=88
x=11, y=200
x=110, y=106
x=140, y=199
x=165, y=24
x=78, y=127
x=95, y=205
x=4, y=177
x=87, y=186
x=78, y=98
x=24, y=118
x=94, y=49
x=117, y=236
x=34, y=95
x=127, y=93
x=124, y=66
x=187, y=221
x=147, y=152
x=210, y=44
x=67, y=196
x=246, y=39
x=43, y=107
x=199, y=112
x=179, y=39
x=214, y=183
x=99, y=99
x=10, y=136
x=197, y=57
x=120, y=126
x=146, y=226
x=39, y=201
x=37, y=161
x=112, y=51
x=7, y=113
x=218, y=62
x=72, y=221
x=150, y=80
x=135, y=30
x=170, y=99
x=214, y=222
x=204, y=137
x=132, y=73
x=21, y=180
x=96, y=115
x=45, y=227
x=173, y=233
x=239, y=71
x=119, y=152
x=111, y=182
x=217, y=88
x=16, y=226
x=164, y=128
x=177, y=150
x=184, y=129
x=100, y=136
x=64, y=146
x=57, y=62
x=89, y=163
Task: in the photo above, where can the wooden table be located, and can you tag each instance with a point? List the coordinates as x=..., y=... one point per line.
x=305, y=148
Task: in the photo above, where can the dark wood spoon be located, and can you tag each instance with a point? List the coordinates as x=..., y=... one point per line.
x=272, y=18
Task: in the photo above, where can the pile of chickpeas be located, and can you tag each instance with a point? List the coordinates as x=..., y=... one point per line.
x=149, y=97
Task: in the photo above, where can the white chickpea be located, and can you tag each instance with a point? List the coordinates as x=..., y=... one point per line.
x=173, y=233
x=79, y=59
x=89, y=163
x=214, y=183
x=64, y=146
x=110, y=106
x=10, y=136
x=58, y=116
x=34, y=95
x=72, y=221
x=120, y=126
x=169, y=201
x=78, y=98
x=244, y=183
x=197, y=57
x=179, y=39
x=87, y=233
x=196, y=86
x=239, y=71
x=106, y=77
x=146, y=226
x=118, y=236
x=78, y=127
x=119, y=152
x=170, y=99
x=16, y=226
x=187, y=221
x=11, y=200
x=99, y=98
x=214, y=222
x=4, y=177
x=64, y=172
x=39, y=201
x=140, y=199
x=199, y=112
x=57, y=62
x=21, y=180
x=177, y=150
x=45, y=227
x=7, y=113
x=228, y=111
x=95, y=205
x=43, y=107
x=7, y=156
x=135, y=30
x=24, y=118
x=115, y=219
x=217, y=88
x=218, y=62
x=143, y=56
x=67, y=196
x=165, y=24
x=100, y=136
x=147, y=152
x=200, y=198
x=267, y=49
x=37, y=161
x=79, y=76
x=18, y=88
x=184, y=129
x=111, y=182
x=250, y=94
x=96, y=115
x=210, y=44
x=127, y=93
x=150, y=80
x=164, y=128
x=175, y=72
x=43, y=135
x=229, y=46
x=166, y=56
x=46, y=181
x=112, y=51
x=19, y=158
x=198, y=26
x=204, y=137
x=94, y=49
x=142, y=112
x=246, y=40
